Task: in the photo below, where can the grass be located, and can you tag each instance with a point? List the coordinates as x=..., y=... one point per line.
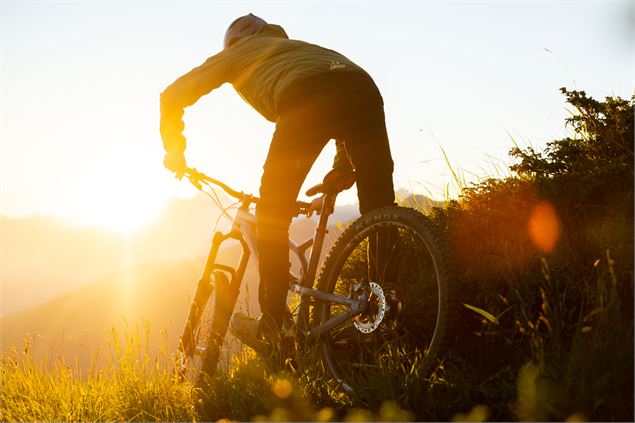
x=136, y=385
x=131, y=386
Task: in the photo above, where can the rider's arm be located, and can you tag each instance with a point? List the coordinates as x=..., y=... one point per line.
x=342, y=160
x=184, y=92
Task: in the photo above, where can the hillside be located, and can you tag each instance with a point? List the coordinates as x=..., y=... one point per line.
x=42, y=257
x=76, y=323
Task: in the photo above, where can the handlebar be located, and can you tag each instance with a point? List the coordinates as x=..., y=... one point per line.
x=195, y=177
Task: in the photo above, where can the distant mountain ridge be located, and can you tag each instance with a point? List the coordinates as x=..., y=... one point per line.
x=76, y=323
x=417, y=201
x=42, y=258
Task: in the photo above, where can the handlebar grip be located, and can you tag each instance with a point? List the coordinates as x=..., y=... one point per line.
x=196, y=183
x=303, y=205
x=303, y=208
x=194, y=177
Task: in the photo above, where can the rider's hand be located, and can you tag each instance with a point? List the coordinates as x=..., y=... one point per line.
x=339, y=180
x=316, y=206
x=175, y=161
x=335, y=181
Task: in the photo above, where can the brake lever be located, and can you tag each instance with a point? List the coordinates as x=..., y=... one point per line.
x=194, y=180
x=197, y=184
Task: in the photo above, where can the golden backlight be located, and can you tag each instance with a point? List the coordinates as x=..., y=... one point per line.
x=123, y=197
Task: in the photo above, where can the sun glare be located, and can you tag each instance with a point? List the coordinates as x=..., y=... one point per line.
x=124, y=213
x=121, y=208
x=123, y=198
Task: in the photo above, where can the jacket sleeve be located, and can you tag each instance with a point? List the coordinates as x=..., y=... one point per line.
x=186, y=91
x=342, y=161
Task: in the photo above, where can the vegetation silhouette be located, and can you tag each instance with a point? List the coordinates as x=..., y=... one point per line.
x=564, y=317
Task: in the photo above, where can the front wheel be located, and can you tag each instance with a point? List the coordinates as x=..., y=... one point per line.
x=391, y=259
x=205, y=330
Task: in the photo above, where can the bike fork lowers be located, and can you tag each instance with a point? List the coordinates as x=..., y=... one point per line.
x=205, y=286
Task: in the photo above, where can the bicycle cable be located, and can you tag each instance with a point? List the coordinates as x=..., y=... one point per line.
x=225, y=214
x=213, y=195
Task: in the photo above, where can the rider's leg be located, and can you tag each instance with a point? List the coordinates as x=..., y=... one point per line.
x=295, y=145
x=367, y=144
x=301, y=133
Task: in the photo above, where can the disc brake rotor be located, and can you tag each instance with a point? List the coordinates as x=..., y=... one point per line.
x=377, y=307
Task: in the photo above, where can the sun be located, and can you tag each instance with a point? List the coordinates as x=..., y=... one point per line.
x=116, y=204
x=120, y=210
x=123, y=198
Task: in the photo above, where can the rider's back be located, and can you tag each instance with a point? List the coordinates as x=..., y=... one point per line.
x=267, y=69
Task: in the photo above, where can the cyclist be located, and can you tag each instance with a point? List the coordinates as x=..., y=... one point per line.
x=313, y=95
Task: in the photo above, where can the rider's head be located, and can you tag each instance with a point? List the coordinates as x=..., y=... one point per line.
x=242, y=27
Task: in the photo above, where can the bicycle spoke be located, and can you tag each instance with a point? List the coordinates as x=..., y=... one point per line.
x=364, y=366
x=344, y=333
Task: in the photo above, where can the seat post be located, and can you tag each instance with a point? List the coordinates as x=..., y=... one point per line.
x=328, y=207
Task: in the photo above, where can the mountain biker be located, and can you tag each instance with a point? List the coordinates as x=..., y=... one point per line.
x=313, y=95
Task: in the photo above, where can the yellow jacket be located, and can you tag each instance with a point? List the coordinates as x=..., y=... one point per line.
x=266, y=69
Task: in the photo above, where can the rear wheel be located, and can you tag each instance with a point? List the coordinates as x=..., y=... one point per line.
x=391, y=259
x=205, y=331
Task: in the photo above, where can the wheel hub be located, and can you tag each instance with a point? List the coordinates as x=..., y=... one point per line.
x=376, y=309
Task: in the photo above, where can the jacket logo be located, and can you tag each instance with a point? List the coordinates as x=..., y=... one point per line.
x=335, y=64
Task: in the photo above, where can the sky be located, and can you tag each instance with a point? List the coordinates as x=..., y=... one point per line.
x=80, y=84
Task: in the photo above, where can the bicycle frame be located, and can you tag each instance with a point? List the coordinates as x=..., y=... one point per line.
x=243, y=230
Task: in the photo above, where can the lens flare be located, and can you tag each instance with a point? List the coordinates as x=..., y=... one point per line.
x=282, y=388
x=544, y=227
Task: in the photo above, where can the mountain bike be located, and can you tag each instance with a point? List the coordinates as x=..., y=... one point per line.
x=383, y=296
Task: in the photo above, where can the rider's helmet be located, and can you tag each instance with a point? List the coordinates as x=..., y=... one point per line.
x=242, y=27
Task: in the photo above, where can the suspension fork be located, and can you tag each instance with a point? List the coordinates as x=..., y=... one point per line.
x=205, y=287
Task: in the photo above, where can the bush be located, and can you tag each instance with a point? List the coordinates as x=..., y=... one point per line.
x=547, y=251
